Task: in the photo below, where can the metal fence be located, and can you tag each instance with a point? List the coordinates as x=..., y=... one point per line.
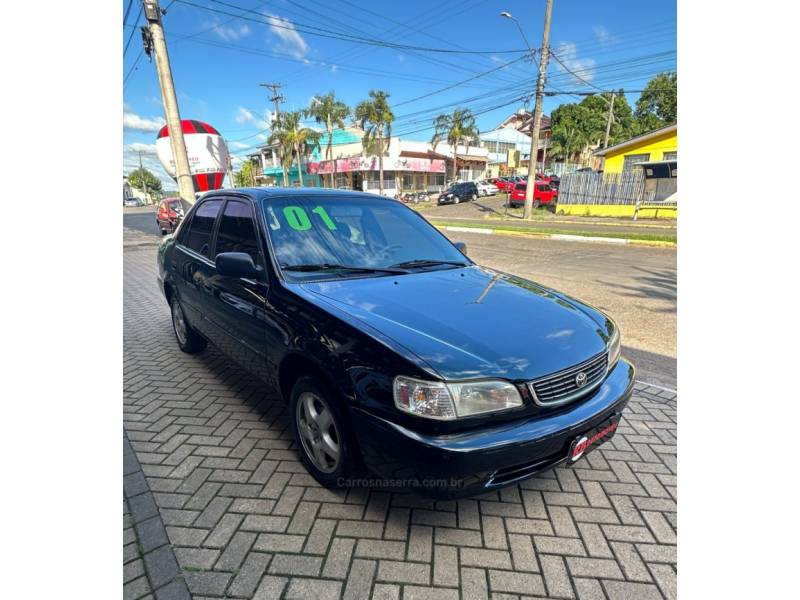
x=601, y=188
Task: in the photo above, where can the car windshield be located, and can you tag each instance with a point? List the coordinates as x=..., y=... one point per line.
x=326, y=236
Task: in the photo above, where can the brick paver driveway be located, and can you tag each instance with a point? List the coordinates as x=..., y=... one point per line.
x=217, y=503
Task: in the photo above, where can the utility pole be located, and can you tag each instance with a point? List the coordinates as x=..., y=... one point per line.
x=277, y=98
x=158, y=45
x=144, y=179
x=537, y=111
x=610, y=119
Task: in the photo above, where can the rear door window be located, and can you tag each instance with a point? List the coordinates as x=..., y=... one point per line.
x=237, y=231
x=201, y=227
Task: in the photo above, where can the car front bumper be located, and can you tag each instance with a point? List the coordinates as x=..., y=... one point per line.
x=465, y=464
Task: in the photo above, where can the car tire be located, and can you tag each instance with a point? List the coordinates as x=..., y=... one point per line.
x=188, y=339
x=474, y=197
x=322, y=432
x=456, y=200
x=535, y=204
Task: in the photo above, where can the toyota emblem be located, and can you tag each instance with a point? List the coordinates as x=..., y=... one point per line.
x=580, y=379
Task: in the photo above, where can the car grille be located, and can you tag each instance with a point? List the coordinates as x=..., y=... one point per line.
x=563, y=386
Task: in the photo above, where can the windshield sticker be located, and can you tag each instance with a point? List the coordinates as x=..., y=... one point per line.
x=298, y=218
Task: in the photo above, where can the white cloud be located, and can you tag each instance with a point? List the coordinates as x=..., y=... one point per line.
x=567, y=52
x=134, y=122
x=291, y=41
x=244, y=116
x=239, y=145
x=603, y=35
x=231, y=34
x=139, y=147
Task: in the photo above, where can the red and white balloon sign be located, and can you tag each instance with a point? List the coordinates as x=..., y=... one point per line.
x=208, y=154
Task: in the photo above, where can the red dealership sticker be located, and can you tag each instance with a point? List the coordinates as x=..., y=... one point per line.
x=592, y=439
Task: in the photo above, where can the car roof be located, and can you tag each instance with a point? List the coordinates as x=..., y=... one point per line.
x=261, y=193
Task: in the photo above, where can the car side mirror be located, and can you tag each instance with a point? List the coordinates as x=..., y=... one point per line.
x=236, y=264
x=462, y=247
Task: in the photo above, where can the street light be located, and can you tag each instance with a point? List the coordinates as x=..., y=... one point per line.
x=508, y=15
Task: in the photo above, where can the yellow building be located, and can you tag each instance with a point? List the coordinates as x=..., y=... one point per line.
x=658, y=145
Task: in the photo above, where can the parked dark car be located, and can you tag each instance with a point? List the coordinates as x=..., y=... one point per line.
x=392, y=349
x=169, y=214
x=459, y=192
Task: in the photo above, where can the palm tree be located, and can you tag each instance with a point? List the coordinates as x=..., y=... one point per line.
x=375, y=117
x=456, y=128
x=294, y=140
x=331, y=113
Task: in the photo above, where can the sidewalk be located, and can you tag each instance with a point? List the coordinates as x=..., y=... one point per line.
x=491, y=213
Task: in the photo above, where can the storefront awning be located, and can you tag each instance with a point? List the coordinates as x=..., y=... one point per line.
x=427, y=154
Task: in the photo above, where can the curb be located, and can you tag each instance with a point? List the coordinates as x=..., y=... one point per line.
x=560, y=236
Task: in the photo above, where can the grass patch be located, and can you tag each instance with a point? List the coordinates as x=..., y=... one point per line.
x=649, y=237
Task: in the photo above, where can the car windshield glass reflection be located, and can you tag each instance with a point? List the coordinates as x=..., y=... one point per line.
x=323, y=237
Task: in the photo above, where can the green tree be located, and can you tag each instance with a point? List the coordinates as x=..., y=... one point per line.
x=456, y=128
x=296, y=142
x=244, y=177
x=660, y=100
x=570, y=127
x=375, y=117
x=576, y=128
x=330, y=112
x=141, y=178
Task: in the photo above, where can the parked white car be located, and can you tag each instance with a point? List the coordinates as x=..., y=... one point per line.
x=486, y=189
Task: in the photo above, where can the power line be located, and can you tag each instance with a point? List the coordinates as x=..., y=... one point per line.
x=133, y=67
x=127, y=12
x=458, y=83
x=130, y=37
x=327, y=33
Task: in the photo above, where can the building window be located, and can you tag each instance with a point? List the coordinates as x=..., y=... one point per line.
x=408, y=181
x=670, y=155
x=634, y=159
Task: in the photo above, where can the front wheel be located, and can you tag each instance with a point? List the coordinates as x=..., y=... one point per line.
x=322, y=432
x=457, y=200
x=474, y=197
x=188, y=339
x=535, y=204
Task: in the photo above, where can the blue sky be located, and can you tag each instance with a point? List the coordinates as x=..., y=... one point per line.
x=219, y=59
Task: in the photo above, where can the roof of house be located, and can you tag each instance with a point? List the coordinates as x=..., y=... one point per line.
x=637, y=140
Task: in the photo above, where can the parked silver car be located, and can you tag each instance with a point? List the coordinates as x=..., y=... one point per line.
x=486, y=188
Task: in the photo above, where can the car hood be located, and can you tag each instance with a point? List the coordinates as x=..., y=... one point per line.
x=472, y=322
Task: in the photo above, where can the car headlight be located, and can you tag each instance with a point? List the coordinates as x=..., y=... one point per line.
x=613, y=346
x=448, y=401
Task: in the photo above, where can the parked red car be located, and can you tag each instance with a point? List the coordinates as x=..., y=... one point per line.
x=542, y=194
x=168, y=214
x=503, y=183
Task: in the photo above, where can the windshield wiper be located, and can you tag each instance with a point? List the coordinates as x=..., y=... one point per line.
x=337, y=267
x=428, y=262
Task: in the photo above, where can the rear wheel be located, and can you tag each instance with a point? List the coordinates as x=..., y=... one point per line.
x=322, y=432
x=188, y=339
x=535, y=204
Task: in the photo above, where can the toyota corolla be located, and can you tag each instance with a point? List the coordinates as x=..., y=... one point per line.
x=393, y=350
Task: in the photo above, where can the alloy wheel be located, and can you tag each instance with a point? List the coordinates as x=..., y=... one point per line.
x=179, y=323
x=318, y=433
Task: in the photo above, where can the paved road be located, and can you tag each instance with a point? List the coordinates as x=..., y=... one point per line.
x=141, y=219
x=637, y=286
x=218, y=505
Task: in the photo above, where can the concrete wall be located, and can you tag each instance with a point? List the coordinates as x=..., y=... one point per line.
x=615, y=210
